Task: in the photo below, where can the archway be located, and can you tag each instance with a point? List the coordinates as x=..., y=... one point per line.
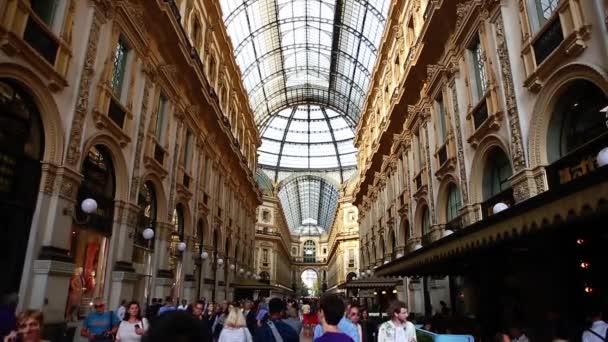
x=310, y=283
x=21, y=150
x=91, y=232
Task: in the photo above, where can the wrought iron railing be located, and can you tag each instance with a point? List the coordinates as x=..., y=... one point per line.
x=37, y=36
x=442, y=154
x=480, y=114
x=159, y=153
x=116, y=113
x=548, y=41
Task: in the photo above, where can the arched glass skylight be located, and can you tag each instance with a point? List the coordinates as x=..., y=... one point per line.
x=295, y=52
x=310, y=204
x=307, y=137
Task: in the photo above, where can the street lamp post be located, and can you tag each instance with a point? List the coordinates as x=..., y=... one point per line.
x=148, y=234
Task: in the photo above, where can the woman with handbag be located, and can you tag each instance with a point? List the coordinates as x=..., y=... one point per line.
x=133, y=326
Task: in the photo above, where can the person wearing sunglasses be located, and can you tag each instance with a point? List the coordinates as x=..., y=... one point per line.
x=100, y=325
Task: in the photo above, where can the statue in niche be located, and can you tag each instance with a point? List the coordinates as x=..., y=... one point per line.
x=77, y=288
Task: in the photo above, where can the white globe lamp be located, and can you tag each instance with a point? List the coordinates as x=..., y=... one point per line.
x=181, y=246
x=89, y=205
x=148, y=233
x=417, y=246
x=369, y=272
x=602, y=157
x=447, y=232
x=204, y=255
x=232, y=267
x=220, y=261
x=498, y=207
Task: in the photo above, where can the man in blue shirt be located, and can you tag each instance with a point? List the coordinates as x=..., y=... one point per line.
x=275, y=326
x=330, y=315
x=169, y=306
x=100, y=325
x=345, y=325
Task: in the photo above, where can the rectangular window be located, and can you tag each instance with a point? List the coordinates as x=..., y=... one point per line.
x=188, y=150
x=121, y=53
x=160, y=118
x=265, y=257
x=46, y=10
x=479, y=72
x=351, y=258
x=441, y=127
x=419, y=157
x=544, y=10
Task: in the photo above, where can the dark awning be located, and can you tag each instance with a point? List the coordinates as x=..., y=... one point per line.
x=371, y=283
x=563, y=206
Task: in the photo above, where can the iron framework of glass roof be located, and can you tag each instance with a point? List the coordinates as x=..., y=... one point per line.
x=307, y=137
x=309, y=203
x=305, y=51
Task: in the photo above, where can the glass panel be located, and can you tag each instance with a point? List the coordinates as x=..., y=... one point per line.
x=160, y=118
x=119, y=63
x=45, y=10
x=497, y=174
x=440, y=110
x=478, y=69
x=454, y=203
x=545, y=9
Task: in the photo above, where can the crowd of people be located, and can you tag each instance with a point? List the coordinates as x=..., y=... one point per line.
x=330, y=319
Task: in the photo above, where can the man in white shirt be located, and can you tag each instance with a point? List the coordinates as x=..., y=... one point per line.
x=598, y=332
x=398, y=329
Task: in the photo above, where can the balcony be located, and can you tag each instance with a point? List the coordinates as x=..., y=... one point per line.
x=427, y=239
x=480, y=114
x=37, y=35
x=577, y=165
x=548, y=40
x=117, y=113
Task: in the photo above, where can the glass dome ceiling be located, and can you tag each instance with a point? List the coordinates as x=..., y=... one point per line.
x=305, y=51
x=307, y=137
x=310, y=203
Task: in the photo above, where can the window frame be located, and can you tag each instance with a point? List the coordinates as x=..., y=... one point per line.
x=118, y=86
x=478, y=77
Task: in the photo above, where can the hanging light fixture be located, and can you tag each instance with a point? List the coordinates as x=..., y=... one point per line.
x=447, y=232
x=204, y=255
x=181, y=246
x=148, y=233
x=602, y=157
x=89, y=205
x=498, y=207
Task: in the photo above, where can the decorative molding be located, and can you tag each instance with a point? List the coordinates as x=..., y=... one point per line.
x=459, y=143
x=517, y=148
x=82, y=102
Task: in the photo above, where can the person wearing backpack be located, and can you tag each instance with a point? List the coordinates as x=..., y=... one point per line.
x=100, y=325
x=274, y=329
x=598, y=331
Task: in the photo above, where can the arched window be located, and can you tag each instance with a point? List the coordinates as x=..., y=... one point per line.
x=577, y=119
x=146, y=201
x=454, y=203
x=21, y=149
x=426, y=221
x=393, y=238
x=496, y=174
x=310, y=251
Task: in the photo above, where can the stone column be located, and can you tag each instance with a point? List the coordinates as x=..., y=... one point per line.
x=163, y=276
x=49, y=244
x=120, y=283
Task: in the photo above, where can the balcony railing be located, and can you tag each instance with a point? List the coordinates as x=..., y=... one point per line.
x=37, y=36
x=549, y=40
x=426, y=239
x=480, y=114
x=442, y=154
x=159, y=154
x=505, y=197
x=117, y=113
x=577, y=164
x=455, y=224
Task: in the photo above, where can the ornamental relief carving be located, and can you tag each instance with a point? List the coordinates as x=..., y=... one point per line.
x=460, y=153
x=82, y=102
x=517, y=148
